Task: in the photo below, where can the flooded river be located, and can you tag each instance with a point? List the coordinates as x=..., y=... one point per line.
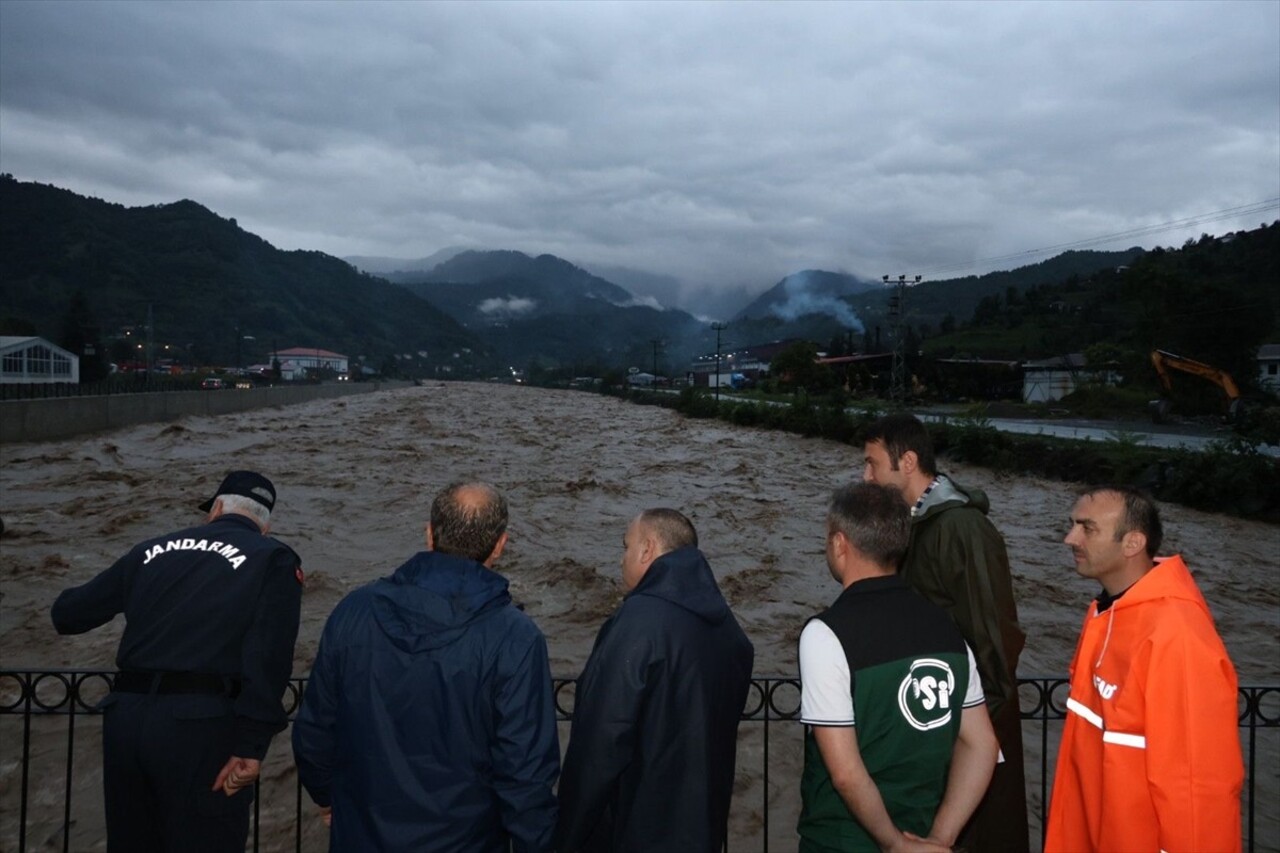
x=355, y=478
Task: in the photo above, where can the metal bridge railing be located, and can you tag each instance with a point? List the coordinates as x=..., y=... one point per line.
x=45, y=706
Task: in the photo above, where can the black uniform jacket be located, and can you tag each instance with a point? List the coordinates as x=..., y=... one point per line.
x=218, y=599
x=651, y=753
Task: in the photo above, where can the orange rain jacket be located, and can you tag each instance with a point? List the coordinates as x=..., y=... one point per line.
x=1150, y=756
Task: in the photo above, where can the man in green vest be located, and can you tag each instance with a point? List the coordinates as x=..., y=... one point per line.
x=898, y=745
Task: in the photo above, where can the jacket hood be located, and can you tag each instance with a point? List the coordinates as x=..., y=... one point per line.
x=430, y=600
x=1169, y=579
x=684, y=578
x=948, y=493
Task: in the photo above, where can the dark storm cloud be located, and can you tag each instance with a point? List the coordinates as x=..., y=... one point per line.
x=721, y=143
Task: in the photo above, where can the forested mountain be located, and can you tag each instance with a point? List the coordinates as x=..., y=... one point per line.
x=548, y=310
x=481, y=288
x=1215, y=300
x=214, y=291
x=827, y=306
x=73, y=267
x=942, y=303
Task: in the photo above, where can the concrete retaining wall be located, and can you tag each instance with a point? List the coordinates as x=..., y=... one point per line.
x=65, y=417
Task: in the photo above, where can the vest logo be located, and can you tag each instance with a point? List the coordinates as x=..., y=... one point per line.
x=1104, y=689
x=924, y=697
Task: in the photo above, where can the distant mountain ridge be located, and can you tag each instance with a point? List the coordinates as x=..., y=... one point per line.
x=213, y=290
x=469, y=284
x=545, y=307
x=376, y=265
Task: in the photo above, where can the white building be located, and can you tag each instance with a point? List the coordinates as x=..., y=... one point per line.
x=296, y=361
x=1269, y=367
x=30, y=361
x=1054, y=378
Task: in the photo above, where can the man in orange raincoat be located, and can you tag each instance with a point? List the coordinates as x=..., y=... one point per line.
x=1150, y=756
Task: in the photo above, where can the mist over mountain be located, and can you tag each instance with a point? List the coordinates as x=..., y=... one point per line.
x=706, y=302
x=381, y=266
x=811, y=292
x=545, y=308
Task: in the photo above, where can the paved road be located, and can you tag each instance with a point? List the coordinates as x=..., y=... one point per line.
x=1191, y=437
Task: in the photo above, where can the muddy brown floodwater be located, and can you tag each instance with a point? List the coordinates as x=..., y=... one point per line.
x=355, y=478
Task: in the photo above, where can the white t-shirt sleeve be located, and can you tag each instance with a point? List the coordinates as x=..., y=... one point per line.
x=826, y=692
x=973, y=696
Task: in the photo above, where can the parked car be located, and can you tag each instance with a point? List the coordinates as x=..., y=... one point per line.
x=213, y=383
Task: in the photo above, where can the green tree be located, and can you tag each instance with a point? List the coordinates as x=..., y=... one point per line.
x=797, y=368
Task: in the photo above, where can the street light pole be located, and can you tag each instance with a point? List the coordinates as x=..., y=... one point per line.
x=657, y=342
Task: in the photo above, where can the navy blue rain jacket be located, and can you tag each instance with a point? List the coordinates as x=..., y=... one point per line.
x=651, y=753
x=428, y=722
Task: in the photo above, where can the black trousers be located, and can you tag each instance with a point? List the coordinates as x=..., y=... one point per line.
x=161, y=754
x=1000, y=821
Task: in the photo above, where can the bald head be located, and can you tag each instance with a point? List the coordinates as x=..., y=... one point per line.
x=468, y=520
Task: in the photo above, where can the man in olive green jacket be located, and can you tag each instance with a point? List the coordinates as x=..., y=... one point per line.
x=957, y=560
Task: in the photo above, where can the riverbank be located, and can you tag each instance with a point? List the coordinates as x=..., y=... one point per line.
x=355, y=477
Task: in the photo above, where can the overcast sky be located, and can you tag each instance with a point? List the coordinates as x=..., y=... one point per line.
x=727, y=144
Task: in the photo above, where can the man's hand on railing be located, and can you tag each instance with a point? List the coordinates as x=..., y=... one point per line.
x=237, y=773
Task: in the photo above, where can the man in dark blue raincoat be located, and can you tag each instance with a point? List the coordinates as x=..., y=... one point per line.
x=651, y=752
x=428, y=722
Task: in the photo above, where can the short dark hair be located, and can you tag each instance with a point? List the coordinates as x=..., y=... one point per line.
x=672, y=529
x=875, y=520
x=899, y=433
x=1140, y=514
x=468, y=525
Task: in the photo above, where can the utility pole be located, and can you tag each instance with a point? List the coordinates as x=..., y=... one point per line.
x=719, y=327
x=151, y=333
x=657, y=343
x=897, y=313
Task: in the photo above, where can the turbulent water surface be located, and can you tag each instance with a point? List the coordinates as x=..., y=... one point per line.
x=355, y=478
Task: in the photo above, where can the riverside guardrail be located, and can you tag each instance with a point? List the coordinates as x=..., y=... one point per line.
x=52, y=418
x=33, y=698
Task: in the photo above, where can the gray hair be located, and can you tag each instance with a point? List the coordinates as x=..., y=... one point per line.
x=671, y=528
x=875, y=520
x=241, y=505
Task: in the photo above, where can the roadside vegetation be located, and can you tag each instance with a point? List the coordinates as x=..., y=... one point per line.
x=1232, y=476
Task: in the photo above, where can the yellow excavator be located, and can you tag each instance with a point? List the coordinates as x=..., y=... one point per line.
x=1165, y=361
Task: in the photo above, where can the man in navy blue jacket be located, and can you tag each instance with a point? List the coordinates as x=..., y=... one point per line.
x=428, y=722
x=211, y=617
x=655, y=725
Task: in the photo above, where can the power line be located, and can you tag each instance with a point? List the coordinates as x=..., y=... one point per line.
x=1145, y=231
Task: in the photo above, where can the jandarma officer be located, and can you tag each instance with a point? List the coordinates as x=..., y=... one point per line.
x=211, y=618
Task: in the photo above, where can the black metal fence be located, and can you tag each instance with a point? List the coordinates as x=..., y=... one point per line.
x=28, y=696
